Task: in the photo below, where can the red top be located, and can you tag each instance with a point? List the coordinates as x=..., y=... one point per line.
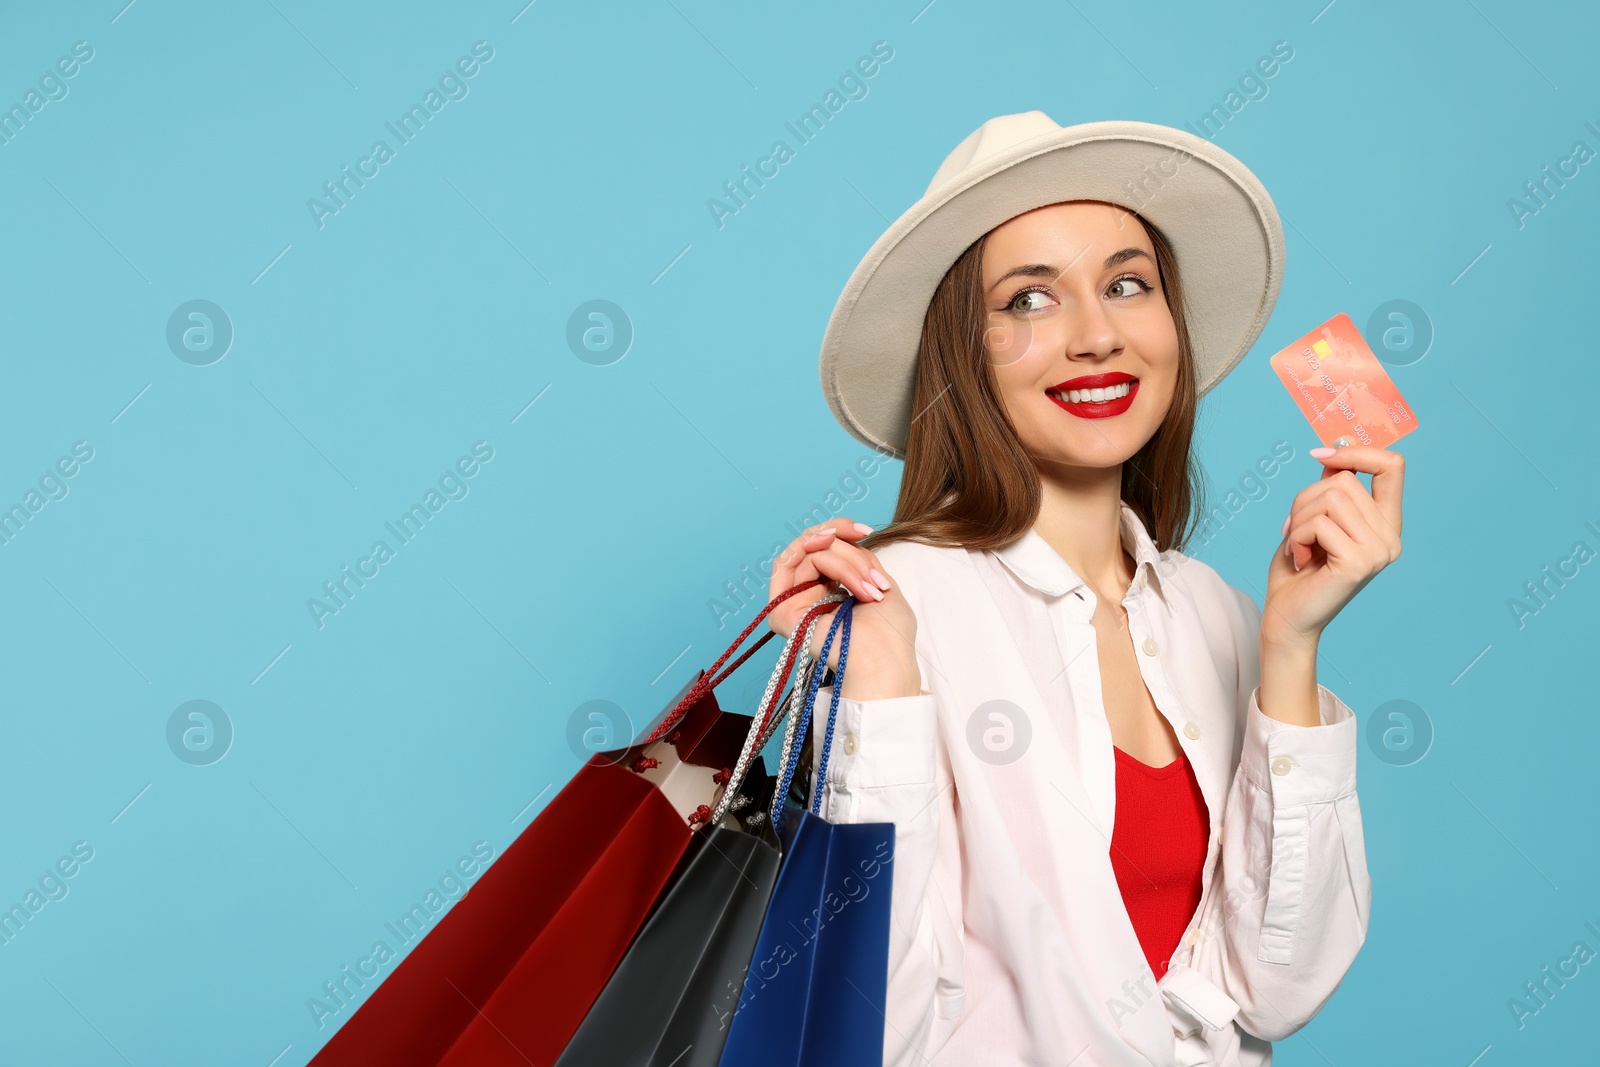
x=1158, y=851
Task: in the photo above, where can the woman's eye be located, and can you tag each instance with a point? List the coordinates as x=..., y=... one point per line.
x=1029, y=300
x=1132, y=285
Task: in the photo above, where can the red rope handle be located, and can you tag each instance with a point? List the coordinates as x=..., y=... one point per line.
x=702, y=687
x=766, y=714
x=736, y=664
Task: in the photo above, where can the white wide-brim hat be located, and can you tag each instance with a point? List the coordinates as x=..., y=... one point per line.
x=1223, y=227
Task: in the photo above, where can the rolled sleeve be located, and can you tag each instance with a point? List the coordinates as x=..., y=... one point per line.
x=1297, y=892
x=888, y=763
x=1301, y=764
x=877, y=744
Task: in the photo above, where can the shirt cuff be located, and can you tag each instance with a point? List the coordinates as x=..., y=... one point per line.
x=887, y=742
x=1301, y=764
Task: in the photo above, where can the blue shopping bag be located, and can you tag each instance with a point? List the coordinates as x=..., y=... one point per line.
x=814, y=992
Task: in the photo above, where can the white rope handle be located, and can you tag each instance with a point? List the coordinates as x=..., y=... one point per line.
x=797, y=702
x=755, y=739
x=753, y=743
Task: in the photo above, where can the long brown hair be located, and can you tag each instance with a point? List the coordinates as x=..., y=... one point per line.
x=968, y=480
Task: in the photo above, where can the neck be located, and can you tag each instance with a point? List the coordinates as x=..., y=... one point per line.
x=1080, y=516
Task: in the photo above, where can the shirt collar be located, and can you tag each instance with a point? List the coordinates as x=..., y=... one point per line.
x=1037, y=564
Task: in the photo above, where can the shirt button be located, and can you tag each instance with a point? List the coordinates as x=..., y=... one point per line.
x=1191, y=730
x=1281, y=765
x=849, y=744
x=1149, y=646
x=1191, y=937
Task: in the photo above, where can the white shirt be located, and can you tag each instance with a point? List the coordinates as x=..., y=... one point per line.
x=1010, y=944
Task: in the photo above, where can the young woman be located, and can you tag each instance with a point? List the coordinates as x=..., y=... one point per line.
x=1127, y=830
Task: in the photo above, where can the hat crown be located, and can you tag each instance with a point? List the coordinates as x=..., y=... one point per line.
x=993, y=137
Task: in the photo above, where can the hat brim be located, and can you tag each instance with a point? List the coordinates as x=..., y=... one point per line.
x=1222, y=224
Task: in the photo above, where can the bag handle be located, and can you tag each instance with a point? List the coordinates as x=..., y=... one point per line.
x=803, y=688
x=833, y=709
x=794, y=738
x=763, y=723
x=698, y=691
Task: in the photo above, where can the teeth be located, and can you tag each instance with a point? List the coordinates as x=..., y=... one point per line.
x=1095, y=396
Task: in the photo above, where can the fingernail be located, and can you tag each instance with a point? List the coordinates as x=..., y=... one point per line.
x=1288, y=550
x=1296, y=563
x=863, y=528
x=1323, y=453
x=872, y=594
x=1286, y=526
x=879, y=577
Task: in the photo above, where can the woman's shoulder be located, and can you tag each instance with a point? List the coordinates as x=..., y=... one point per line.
x=918, y=569
x=919, y=557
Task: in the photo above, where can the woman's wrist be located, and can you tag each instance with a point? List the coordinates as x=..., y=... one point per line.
x=878, y=682
x=1289, y=680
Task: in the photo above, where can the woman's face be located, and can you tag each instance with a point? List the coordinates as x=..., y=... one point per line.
x=1073, y=300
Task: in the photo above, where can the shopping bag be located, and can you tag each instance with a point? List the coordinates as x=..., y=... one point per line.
x=814, y=995
x=526, y=951
x=669, y=1000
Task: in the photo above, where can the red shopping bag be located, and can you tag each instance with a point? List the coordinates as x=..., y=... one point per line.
x=555, y=913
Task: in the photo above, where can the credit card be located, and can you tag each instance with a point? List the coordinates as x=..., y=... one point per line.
x=1342, y=389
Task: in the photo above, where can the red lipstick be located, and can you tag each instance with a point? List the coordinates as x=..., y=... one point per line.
x=1088, y=409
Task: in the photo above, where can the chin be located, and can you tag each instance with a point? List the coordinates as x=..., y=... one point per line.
x=1111, y=454
x=1062, y=439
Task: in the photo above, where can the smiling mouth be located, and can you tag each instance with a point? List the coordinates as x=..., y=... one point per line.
x=1099, y=398
x=1102, y=395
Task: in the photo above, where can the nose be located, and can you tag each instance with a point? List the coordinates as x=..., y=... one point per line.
x=1093, y=333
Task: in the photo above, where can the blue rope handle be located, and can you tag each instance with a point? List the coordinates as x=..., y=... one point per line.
x=833, y=708
x=792, y=757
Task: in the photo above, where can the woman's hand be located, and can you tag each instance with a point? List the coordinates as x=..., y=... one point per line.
x=1338, y=537
x=883, y=628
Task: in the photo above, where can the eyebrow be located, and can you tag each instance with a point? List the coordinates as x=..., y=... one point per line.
x=1046, y=270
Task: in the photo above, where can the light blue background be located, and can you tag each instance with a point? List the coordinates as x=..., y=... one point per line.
x=431, y=712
